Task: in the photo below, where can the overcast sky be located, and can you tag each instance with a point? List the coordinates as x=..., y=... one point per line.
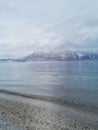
x=30, y=25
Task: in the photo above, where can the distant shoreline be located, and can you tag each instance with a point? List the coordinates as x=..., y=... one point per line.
x=63, y=55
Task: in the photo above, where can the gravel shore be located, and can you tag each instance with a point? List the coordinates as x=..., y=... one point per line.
x=36, y=114
x=6, y=124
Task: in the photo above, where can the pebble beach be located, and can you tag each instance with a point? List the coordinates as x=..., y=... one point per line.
x=22, y=113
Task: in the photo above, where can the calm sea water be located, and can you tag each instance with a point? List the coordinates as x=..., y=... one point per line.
x=74, y=80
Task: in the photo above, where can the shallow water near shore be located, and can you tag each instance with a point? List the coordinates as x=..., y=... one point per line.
x=73, y=81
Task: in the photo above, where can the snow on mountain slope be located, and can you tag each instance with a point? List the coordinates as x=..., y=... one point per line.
x=64, y=55
x=61, y=56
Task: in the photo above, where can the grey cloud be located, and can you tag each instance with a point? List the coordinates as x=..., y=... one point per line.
x=26, y=26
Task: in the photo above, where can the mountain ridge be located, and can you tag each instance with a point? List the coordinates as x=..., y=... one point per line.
x=68, y=55
x=60, y=56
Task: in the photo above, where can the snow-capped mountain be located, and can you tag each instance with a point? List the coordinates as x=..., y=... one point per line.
x=68, y=55
x=61, y=56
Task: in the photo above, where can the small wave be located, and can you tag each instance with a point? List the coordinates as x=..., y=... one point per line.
x=39, y=97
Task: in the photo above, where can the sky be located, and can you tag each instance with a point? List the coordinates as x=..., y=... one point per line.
x=47, y=25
